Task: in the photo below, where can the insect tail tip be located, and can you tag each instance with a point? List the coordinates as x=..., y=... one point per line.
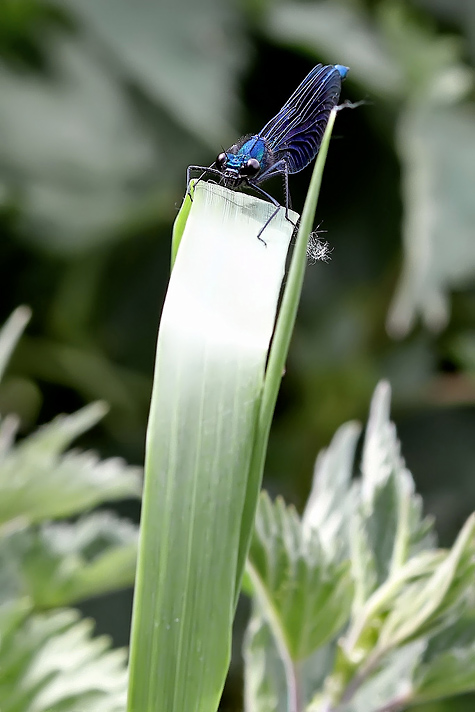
x=342, y=70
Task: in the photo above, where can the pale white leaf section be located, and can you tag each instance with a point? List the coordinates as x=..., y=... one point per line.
x=227, y=283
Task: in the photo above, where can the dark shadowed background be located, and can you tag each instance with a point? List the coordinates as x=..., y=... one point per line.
x=104, y=103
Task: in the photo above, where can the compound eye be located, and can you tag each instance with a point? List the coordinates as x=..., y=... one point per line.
x=221, y=161
x=251, y=168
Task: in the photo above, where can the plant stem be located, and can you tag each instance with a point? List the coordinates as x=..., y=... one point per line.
x=396, y=704
x=294, y=701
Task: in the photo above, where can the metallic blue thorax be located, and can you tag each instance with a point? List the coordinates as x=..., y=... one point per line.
x=254, y=147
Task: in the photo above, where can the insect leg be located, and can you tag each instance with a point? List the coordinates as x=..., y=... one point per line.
x=205, y=170
x=282, y=168
x=273, y=201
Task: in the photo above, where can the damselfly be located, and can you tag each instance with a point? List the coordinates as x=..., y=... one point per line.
x=287, y=143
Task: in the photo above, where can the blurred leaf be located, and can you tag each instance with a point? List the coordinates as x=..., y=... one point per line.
x=451, y=673
x=53, y=438
x=59, y=564
x=186, y=56
x=327, y=507
x=305, y=598
x=92, y=374
x=431, y=62
x=10, y=333
x=387, y=527
x=51, y=663
x=448, y=665
x=437, y=149
x=264, y=684
x=265, y=688
x=426, y=604
x=459, y=12
x=73, y=149
x=391, y=684
x=342, y=33
x=393, y=512
x=37, y=482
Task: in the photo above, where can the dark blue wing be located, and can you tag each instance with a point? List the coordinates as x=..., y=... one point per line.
x=296, y=132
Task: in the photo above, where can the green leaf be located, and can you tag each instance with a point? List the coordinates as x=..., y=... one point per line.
x=328, y=505
x=324, y=29
x=448, y=665
x=10, y=333
x=54, y=437
x=173, y=51
x=51, y=663
x=390, y=514
x=37, y=482
x=426, y=604
x=449, y=674
x=392, y=684
x=77, y=160
x=279, y=349
x=214, y=334
x=58, y=564
x=265, y=689
x=305, y=599
x=265, y=686
x=437, y=151
x=431, y=62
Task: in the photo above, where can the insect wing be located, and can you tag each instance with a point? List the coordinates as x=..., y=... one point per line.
x=296, y=132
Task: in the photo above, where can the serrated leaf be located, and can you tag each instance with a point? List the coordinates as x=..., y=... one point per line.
x=327, y=508
x=390, y=511
x=265, y=689
x=37, y=485
x=51, y=663
x=58, y=564
x=423, y=605
x=266, y=679
x=391, y=684
x=305, y=598
x=54, y=437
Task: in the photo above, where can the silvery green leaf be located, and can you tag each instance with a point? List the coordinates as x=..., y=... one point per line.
x=265, y=687
x=390, y=511
x=37, y=483
x=267, y=677
x=305, y=598
x=327, y=507
x=390, y=683
x=51, y=663
x=57, y=564
x=54, y=437
x=424, y=605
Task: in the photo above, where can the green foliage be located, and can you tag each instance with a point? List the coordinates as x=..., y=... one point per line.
x=353, y=606
x=49, y=661
x=203, y=429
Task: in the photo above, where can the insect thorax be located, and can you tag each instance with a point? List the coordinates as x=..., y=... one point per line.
x=250, y=147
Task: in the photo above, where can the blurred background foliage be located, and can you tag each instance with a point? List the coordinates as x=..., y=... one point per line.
x=103, y=104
